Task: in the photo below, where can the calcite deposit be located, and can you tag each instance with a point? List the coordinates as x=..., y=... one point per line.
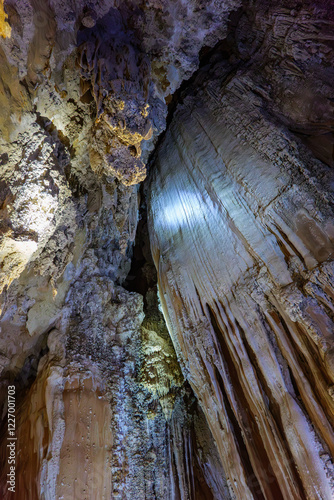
x=166, y=249
x=242, y=235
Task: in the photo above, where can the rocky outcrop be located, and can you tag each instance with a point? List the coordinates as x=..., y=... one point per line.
x=240, y=222
x=241, y=227
x=79, y=98
x=102, y=408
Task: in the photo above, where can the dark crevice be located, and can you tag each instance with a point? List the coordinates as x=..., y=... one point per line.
x=310, y=348
x=251, y=478
x=176, y=477
x=291, y=245
x=320, y=143
x=24, y=379
x=202, y=490
x=199, y=301
x=303, y=363
x=142, y=274
x=248, y=424
x=273, y=406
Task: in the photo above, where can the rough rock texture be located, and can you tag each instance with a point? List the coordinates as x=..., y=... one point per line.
x=78, y=96
x=240, y=218
x=242, y=235
x=94, y=430
x=102, y=408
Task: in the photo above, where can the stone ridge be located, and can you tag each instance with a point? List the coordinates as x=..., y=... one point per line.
x=240, y=216
x=82, y=102
x=238, y=401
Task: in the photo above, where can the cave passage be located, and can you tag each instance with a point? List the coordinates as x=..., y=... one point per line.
x=166, y=250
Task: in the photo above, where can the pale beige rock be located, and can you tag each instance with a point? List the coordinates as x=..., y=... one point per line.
x=103, y=410
x=240, y=218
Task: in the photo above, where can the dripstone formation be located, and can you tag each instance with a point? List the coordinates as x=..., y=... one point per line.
x=166, y=249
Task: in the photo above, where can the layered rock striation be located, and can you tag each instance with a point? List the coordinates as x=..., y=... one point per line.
x=102, y=410
x=234, y=397
x=242, y=235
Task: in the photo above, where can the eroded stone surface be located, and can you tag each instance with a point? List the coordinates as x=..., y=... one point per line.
x=241, y=226
x=103, y=410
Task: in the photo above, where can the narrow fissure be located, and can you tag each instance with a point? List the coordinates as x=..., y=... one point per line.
x=272, y=405
x=243, y=410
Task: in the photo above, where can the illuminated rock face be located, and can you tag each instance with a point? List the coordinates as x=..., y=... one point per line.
x=242, y=235
x=241, y=231
x=82, y=100
x=102, y=408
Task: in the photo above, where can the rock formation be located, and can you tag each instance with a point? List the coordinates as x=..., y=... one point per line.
x=207, y=371
x=242, y=235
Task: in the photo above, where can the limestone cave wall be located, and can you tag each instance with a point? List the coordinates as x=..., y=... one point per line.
x=241, y=228
x=166, y=249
